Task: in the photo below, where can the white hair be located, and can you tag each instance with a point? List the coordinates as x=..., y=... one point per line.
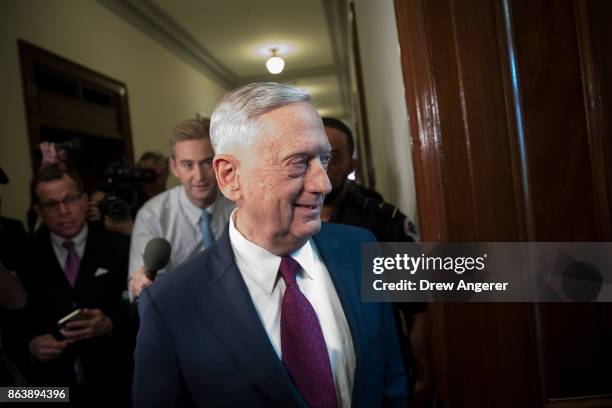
x=234, y=121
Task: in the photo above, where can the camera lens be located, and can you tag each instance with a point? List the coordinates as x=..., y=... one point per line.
x=118, y=210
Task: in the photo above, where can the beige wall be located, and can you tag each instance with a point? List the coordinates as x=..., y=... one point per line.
x=163, y=89
x=386, y=106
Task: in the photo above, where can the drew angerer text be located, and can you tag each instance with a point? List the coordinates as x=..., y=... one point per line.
x=423, y=284
x=423, y=263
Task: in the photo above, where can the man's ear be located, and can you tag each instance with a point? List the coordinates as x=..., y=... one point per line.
x=226, y=172
x=174, y=167
x=37, y=210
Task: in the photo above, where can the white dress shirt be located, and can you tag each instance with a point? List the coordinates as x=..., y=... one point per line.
x=61, y=253
x=171, y=215
x=259, y=269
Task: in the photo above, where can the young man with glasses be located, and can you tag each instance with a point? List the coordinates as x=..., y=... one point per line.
x=75, y=266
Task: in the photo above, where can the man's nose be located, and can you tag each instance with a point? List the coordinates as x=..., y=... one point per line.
x=63, y=208
x=199, y=173
x=318, y=181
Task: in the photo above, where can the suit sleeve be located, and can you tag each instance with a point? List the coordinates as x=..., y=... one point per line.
x=115, y=307
x=157, y=378
x=395, y=387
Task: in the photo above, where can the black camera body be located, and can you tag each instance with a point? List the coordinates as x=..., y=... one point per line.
x=123, y=190
x=128, y=174
x=115, y=207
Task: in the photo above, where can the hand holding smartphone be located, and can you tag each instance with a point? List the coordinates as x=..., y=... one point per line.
x=83, y=324
x=76, y=314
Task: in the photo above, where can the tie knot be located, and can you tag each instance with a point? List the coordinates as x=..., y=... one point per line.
x=288, y=269
x=69, y=245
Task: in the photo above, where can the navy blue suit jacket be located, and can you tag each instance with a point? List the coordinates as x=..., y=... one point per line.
x=202, y=343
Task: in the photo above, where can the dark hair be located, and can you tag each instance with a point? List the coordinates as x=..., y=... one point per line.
x=153, y=158
x=50, y=173
x=339, y=125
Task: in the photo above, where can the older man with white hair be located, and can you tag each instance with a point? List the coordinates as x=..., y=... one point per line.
x=271, y=314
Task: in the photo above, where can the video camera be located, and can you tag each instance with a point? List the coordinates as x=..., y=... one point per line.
x=123, y=188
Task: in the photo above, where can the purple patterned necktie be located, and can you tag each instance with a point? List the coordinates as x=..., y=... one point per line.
x=302, y=343
x=72, y=262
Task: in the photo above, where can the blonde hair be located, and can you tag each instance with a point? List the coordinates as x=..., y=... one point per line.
x=191, y=129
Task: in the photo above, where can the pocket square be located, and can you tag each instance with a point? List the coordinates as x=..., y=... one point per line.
x=100, y=272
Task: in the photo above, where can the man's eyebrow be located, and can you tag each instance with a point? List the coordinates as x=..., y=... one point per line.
x=60, y=199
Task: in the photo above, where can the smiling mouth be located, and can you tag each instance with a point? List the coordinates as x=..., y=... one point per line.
x=312, y=207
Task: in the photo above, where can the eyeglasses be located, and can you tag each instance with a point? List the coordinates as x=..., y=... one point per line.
x=53, y=205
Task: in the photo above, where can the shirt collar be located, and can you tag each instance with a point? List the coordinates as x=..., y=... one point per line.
x=194, y=212
x=78, y=239
x=263, y=265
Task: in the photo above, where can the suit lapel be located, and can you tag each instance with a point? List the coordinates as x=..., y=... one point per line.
x=230, y=312
x=88, y=263
x=335, y=257
x=55, y=270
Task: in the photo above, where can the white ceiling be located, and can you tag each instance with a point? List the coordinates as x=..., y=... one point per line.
x=222, y=38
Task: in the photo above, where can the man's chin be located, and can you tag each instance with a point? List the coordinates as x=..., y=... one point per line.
x=202, y=195
x=67, y=233
x=310, y=228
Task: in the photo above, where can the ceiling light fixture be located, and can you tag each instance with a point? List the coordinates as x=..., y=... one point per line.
x=275, y=64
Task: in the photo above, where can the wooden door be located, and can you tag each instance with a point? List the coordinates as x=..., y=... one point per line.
x=509, y=107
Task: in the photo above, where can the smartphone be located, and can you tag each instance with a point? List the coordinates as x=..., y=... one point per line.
x=76, y=314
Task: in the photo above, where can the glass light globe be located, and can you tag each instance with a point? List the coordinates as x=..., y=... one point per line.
x=275, y=65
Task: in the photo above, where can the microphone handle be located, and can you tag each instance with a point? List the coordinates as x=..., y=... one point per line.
x=150, y=273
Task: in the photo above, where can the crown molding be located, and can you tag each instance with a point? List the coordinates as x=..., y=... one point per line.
x=151, y=20
x=336, y=15
x=147, y=17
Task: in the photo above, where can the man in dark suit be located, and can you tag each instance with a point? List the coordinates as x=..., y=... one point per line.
x=73, y=265
x=271, y=314
x=12, y=294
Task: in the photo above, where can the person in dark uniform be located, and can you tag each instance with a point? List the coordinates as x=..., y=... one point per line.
x=350, y=203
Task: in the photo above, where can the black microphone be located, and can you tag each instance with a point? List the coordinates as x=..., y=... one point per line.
x=156, y=256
